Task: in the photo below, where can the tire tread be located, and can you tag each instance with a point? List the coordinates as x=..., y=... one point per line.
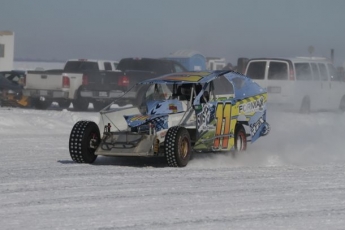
x=169, y=146
x=76, y=142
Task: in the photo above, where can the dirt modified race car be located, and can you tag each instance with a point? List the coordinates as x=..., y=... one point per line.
x=181, y=113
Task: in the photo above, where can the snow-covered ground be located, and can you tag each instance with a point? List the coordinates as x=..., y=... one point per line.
x=292, y=179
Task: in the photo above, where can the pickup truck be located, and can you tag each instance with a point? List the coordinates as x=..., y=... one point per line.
x=102, y=90
x=63, y=86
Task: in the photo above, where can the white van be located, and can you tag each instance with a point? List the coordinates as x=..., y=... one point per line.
x=301, y=84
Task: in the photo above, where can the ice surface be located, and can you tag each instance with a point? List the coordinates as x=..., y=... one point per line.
x=294, y=178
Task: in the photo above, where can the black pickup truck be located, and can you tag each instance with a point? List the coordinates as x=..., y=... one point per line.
x=102, y=89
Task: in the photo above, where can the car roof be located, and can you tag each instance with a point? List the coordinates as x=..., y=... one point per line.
x=243, y=86
x=186, y=77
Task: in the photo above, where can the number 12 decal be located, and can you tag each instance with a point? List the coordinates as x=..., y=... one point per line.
x=223, y=116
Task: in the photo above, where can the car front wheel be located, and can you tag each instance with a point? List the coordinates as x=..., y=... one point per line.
x=240, y=139
x=83, y=142
x=177, y=147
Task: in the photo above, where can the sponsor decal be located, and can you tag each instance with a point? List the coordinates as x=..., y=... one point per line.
x=252, y=106
x=205, y=117
x=173, y=107
x=256, y=125
x=155, y=108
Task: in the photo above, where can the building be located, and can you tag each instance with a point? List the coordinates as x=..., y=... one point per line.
x=191, y=60
x=215, y=63
x=6, y=50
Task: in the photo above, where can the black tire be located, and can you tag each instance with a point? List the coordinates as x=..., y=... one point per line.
x=99, y=105
x=80, y=142
x=80, y=103
x=43, y=105
x=240, y=139
x=305, y=106
x=342, y=104
x=64, y=104
x=177, y=146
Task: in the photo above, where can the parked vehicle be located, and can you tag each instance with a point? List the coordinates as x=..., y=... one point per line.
x=216, y=111
x=63, y=86
x=102, y=90
x=11, y=86
x=190, y=59
x=214, y=63
x=16, y=76
x=299, y=84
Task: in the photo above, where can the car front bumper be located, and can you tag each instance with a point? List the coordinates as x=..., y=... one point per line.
x=127, y=144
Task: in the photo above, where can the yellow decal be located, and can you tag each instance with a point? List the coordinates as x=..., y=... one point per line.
x=139, y=118
x=185, y=77
x=251, y=105
x=223, y=116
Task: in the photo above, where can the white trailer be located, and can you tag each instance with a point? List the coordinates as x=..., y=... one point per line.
x=215, y=63
x=6, y=50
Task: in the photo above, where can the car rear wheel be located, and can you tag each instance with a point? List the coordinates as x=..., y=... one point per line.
x=240, y=139
x=83, y=142
x=177, y=147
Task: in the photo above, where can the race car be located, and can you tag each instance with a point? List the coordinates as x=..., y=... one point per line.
x=180, y=114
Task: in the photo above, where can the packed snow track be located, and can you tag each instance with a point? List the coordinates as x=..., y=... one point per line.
x=292, y=179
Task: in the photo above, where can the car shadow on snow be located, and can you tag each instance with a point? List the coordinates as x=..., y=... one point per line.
x=138, y=162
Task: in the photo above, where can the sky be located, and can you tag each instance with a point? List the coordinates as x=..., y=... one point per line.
x=115, y=29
